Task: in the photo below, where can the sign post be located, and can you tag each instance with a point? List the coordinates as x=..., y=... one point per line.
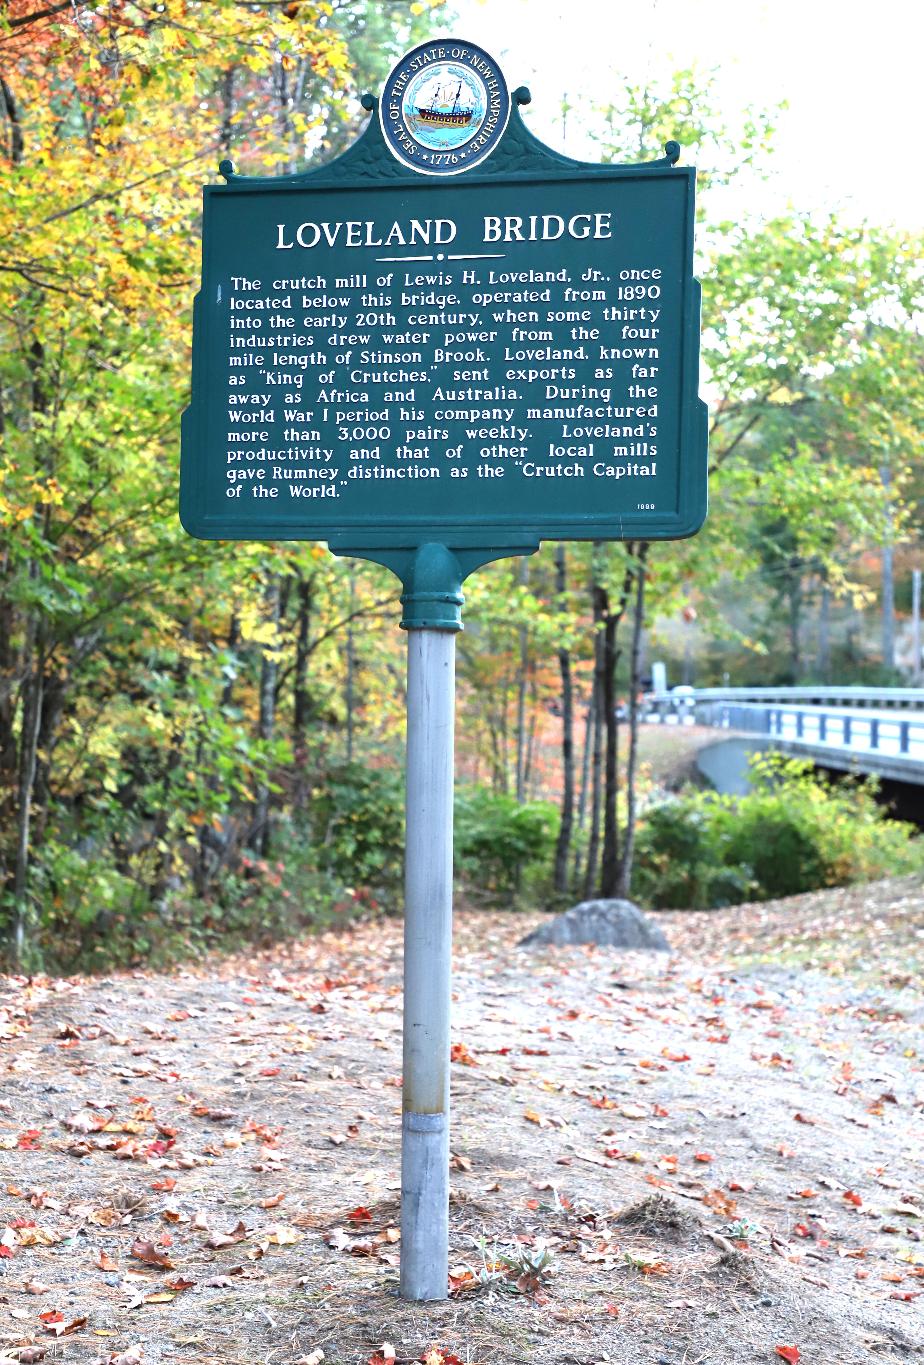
x=447, y=345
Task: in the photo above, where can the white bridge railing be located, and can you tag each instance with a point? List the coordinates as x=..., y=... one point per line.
x=873, y=729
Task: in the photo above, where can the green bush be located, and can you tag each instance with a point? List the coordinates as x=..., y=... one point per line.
x=357, y=827
x=499, y=843
x=792, y=832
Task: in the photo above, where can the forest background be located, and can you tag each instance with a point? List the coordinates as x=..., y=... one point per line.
x=201, y=740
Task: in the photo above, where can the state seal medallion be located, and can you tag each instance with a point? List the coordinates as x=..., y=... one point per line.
x=444, y=107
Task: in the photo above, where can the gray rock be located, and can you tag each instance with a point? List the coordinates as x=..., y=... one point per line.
x=617, y=924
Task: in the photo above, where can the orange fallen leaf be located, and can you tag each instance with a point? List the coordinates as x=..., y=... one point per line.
x=790, y=1353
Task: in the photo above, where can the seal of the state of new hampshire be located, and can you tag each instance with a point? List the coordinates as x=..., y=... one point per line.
x=444, y=108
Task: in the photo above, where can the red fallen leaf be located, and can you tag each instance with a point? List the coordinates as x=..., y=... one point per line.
x=612, y=1309
x=59, y=1328
x=803, y=1118
x=168, y=1183
x=702, y=1156
x=179, y=1285
x=805, y=1194
x=853, y=1198
x=660, y=1112
x=532, y=1051
x=675, y=1056
x=159, y=1147
x=148, y=1252
x=460, y=1053
x=6, y=1253
x=906, y=1296
x=29, y=1140
x=740, y=1186
x=790, y=1353
x=801, y=1230
x=51, y=1315
x=359, y=1215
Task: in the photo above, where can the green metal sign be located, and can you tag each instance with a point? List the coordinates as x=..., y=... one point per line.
x=386, y=355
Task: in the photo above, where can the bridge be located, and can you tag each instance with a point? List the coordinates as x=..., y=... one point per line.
x=874, y=730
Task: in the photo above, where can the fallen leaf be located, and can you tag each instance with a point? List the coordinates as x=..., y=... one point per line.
x=790, y=1353
x=227, y=1239
x=149, y=1253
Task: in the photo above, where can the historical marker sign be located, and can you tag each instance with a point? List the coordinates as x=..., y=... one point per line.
x=385, y=354
x=444, y=347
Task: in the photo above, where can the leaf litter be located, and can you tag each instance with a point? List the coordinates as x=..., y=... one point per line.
x=711, y=1157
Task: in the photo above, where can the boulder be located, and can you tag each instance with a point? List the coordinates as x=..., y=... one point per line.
x=616, y=924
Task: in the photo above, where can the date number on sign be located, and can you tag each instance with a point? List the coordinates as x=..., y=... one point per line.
x=645, y=507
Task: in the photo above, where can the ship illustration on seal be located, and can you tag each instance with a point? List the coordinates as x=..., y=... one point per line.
x=444, y=109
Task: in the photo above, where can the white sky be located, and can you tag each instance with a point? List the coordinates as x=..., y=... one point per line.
x=851, y=72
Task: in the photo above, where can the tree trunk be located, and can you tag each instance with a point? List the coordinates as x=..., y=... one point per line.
x=609, y=869
x=32, y=695
x=888, y=580
x=522, y=685
x=824, y=631
x=624, y=878
x=795, y=622
x=349, y=700
x=301, y=702
x=585, y=779
x=260, y=831
x=608, y=864
x=234, y=635
x=563, y=844
x=593, y=842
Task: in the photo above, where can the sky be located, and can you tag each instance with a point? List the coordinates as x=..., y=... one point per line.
x=849, y=70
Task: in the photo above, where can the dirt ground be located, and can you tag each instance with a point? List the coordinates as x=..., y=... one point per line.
x=717, y=1152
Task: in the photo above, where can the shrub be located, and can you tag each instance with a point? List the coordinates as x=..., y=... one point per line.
x=793, y=832
x=499, y=842
x=357, y=827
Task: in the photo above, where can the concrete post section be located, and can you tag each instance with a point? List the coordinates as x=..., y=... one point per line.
x=427, y=964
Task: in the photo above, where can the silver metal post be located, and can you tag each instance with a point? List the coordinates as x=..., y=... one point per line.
x=427, y=964
x=915, y=625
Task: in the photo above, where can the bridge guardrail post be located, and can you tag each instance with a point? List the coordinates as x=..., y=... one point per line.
x=904, y=736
